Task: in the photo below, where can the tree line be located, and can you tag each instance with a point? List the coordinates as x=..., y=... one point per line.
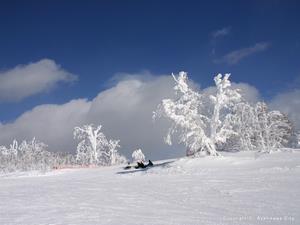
x=206, y=123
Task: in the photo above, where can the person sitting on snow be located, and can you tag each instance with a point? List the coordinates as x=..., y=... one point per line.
x=142, y=165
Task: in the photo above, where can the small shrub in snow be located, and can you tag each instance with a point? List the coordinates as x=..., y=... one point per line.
x=138, y=156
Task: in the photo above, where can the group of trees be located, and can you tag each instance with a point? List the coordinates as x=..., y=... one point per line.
x=257, y=128
x=95, y=149
x=31, y=155
x=206, y=122
x=221, y=120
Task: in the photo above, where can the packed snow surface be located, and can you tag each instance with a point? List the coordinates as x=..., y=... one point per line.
x=237, y=188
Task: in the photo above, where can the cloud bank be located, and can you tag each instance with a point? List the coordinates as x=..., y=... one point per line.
x=124, y=110
x=289, y=103
x=27, y=80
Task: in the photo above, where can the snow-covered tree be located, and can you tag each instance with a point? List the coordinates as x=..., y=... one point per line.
x=224, y=99
x=34, y=155
x=298, y=140
x=94, y=148
x=90, y=146
x=138, y=156
x=272, y=128
x=198, y=128
x=8, y=157
x=111, y=155
x=242, y=121
x=257, y=128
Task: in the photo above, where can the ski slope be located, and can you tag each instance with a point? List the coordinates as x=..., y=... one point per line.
x=238, y=188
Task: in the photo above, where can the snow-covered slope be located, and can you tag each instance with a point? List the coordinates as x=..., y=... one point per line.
x=238, y=188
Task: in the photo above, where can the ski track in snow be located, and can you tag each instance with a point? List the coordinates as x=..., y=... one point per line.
x=238, y=188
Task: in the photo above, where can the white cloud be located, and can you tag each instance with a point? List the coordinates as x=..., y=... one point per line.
x=52, y=124
x=216, y=35
x=27, y=80
x=124, y=110
x=221, y=32
x=249, y=93
x=289, y=103
x=237, y=55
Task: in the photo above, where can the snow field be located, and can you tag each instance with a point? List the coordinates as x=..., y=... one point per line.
x=237, y=188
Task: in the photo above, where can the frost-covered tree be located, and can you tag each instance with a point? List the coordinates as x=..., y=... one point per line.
x=138, y=156
x=34, y=155
x=224, y=99
x=94, y=148
x=111, y=155
x=257, y=128
x=272, y=128
x=198, y=128
x=90, y=146
x=298, y=140
x=8, y=157
x=186, y=118
x=242, y=121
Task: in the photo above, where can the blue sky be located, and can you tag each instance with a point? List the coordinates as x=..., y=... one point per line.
x=258, y=42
